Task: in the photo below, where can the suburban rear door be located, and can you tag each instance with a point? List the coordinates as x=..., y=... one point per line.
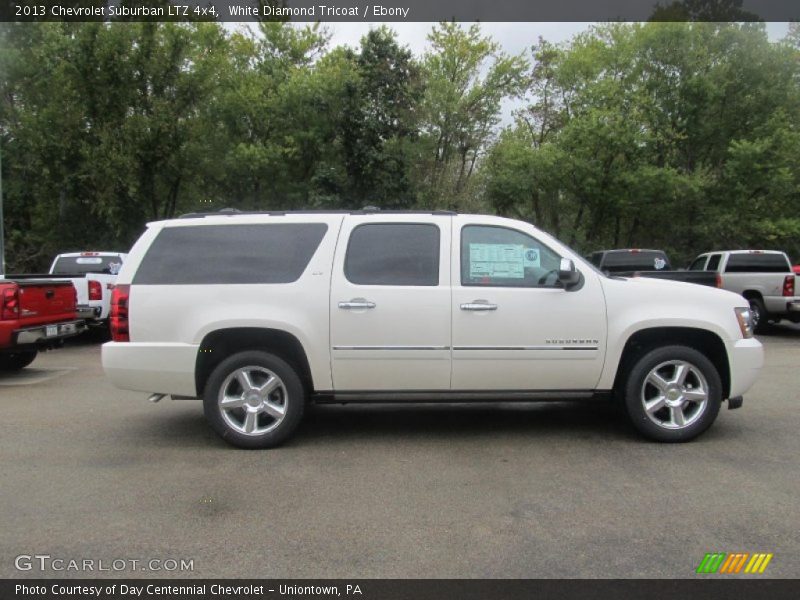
x=390, y=303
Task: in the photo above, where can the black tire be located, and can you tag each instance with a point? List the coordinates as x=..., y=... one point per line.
x=759, y=314
x=17, y=361
x=230, y=426
x=697, y=420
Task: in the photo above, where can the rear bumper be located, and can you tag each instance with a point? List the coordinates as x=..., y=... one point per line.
x=782, y=305
x=88, y=312
x=153, y=367
x=42, y=335
x=746, y=360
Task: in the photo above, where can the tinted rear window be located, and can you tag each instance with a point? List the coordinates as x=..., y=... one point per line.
x=80, y=265
x=393, y=254
x=209, y=254
x=757, y=263
x=635, y=261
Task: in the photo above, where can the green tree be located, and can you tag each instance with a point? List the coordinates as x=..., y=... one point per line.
x=467, y=78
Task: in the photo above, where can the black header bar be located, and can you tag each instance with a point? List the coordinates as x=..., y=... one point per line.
x=399, y=10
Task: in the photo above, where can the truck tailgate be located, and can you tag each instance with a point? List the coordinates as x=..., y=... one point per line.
x=44, y=301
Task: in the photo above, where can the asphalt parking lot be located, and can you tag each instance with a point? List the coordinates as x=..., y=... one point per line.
x=547, y=490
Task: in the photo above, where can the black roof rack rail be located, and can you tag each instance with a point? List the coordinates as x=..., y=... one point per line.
x=233, y=212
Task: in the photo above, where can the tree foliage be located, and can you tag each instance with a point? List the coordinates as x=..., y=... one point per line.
x=675, y=135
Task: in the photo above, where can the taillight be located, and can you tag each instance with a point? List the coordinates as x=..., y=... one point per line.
x=119, y=313
x=10, y=309
x=95, y=290
x=788, y=285
x=719, y=280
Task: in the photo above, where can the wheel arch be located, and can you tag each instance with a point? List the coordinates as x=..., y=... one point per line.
x=748, y=294
x=218, y=345
x=704, y=341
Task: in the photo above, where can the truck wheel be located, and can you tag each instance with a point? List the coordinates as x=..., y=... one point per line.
x=254, y=400
x=17, y=361
x=673, y=394
x=759, y=314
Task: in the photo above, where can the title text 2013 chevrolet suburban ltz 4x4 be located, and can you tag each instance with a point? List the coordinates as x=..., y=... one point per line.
x=257, y=314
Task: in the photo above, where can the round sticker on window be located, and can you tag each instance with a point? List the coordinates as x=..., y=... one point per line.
x=659, y=263
x=531, y=257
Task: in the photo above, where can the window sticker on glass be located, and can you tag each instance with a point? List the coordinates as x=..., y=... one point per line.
x=114, y=268
x=532, y=258
x=497, y=260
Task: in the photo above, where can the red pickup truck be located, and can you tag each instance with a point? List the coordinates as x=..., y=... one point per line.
x=35, y=314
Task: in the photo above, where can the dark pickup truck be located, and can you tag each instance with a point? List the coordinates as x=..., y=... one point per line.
x=633, y=262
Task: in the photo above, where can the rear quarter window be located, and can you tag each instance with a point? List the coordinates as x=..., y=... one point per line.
x=757, y=263
x=218, y=254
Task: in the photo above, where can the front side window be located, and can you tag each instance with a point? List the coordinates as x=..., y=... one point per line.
x=393, y=254
x=502, y=257
x=698, y=264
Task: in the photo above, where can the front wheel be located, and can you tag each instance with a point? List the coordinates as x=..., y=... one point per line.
x=758, y=314
x=17, y=361
x=673, y=394
x=254, y=400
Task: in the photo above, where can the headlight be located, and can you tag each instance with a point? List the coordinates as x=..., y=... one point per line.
x=745, y=319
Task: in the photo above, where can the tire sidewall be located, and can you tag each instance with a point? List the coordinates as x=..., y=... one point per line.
x=295, y=404
x=635, y=380
x=17, y=361
x=758, y=305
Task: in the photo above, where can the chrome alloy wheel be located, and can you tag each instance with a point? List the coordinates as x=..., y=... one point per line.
x=755, y=313
x=252, y=400
x=674, y=394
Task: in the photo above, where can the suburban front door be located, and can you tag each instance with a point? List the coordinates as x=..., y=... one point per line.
x=390, y=303
x=514, y=326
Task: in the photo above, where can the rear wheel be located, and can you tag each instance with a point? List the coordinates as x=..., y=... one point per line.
x=254, y=400
x=673, y=394
x=17, y=361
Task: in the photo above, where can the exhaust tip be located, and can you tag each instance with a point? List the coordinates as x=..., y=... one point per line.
x=736, y=402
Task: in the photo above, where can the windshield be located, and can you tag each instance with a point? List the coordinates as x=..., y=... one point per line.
x=80, y=265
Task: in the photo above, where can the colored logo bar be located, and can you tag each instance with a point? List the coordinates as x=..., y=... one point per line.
x=734, y=563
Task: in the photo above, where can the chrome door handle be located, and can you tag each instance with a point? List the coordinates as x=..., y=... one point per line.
x=478, y=306
x=356, y=304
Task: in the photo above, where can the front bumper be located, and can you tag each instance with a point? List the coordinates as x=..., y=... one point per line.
x=746, y=359
x=46, y=334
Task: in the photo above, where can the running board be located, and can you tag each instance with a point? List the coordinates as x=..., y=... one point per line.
x=465, y=396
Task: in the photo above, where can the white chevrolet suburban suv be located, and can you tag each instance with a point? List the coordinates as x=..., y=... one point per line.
x=259, y=313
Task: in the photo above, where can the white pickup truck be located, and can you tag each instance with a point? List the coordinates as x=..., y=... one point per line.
x=93, y=274
x=764, y=277
x=259, y=313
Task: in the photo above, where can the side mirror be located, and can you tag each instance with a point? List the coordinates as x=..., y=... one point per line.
x=568, y=275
